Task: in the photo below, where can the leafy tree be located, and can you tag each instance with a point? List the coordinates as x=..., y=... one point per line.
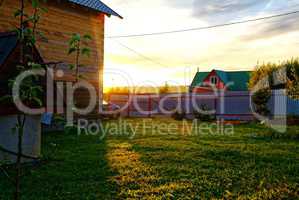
x=30, y=91
x=205, y=114
x=260, y=100
x=262, y=72
x=292, y=71
x=76, y=46
x=267, y=74
x=179, y=114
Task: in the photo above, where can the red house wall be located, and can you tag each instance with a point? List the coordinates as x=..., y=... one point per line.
x=220, y=84
x=202, y=90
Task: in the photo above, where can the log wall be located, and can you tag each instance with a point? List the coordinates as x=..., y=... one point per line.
x=58, y=24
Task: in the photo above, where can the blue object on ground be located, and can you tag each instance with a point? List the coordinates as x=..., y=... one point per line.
x=47, y=118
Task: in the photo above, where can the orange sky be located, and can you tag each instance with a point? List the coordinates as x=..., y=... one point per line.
x=176, y=57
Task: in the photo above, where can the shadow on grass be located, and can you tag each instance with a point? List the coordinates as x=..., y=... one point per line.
x=77, y=169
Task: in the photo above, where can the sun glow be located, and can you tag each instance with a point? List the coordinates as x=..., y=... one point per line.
x=157, y=59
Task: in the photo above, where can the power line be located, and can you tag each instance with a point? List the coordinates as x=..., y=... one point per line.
x=205, y=27
x=140, y=54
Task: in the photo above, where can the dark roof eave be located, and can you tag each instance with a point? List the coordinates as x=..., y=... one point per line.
x=114, y=13
x=99, y=7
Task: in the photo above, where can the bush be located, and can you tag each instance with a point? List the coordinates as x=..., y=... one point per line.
x=179, y=114
x=278, y=76
x=293, y=120
x=291, y=133
x=292, y=68
x=203, y=116
x=261, y=72
x=260, y=100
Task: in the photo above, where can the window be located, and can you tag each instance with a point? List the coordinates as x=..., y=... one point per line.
x=214, y=80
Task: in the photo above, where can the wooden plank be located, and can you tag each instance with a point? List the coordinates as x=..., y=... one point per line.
x=58, y=24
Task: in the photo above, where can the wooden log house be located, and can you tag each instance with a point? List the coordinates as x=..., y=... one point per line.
x=64, y=18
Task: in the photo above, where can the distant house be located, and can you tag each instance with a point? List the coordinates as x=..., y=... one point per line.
x=62, y=19
x=221, y=80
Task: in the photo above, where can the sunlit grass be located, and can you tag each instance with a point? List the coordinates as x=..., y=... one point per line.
x=249, y=164
x=241, y=165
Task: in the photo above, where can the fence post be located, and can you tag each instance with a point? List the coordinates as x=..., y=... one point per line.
x=129, y=105
x=216, y=105
x=108, y=101
x=149, y=105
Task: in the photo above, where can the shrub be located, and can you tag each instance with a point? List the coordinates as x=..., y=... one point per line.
x=291, y=133
x=179, y=114
x=292, y=70
x=202, y=115
x=260, y=100
x=286, y=72
x=261, y=72
x=293, y=120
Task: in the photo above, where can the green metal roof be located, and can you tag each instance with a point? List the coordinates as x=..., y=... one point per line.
x=198, y=79
x=222, y=75
x=239, y=79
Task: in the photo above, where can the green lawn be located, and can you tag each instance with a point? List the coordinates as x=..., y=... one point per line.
x=248, y=164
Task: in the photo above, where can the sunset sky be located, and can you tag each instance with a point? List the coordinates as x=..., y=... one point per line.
x=175, y=58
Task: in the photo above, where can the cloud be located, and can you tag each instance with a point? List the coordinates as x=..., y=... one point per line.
x=223, y=11
x=270, y=29
x=226, y=7
x=219, y=10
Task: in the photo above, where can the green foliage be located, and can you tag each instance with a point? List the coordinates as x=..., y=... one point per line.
x=292, y=70
x=260, y=100
x=205, y=114
x=87, y=37
x=179, y=114
x=292, y=133
x=287, y=71
x=262, y=72
x=28, y=32
x=76, y=46
x=85, y=51
x=6, y=99
x=72, y=66
x=35, y=3
x=30, y=92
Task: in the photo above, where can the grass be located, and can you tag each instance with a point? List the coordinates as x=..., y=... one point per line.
x=249, y=164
